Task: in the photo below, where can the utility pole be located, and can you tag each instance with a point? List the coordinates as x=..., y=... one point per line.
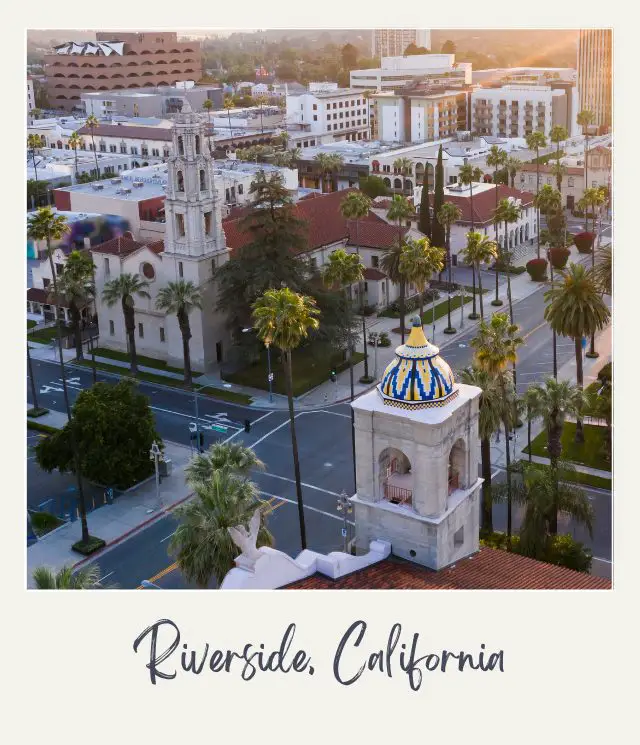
x=345, y=506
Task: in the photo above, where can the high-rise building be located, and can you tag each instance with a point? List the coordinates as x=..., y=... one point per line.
x=595, y=74
x=391, y=42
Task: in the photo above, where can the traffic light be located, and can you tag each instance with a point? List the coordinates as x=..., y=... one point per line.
x=201, y=441
x=247, y=425
x=334, y=377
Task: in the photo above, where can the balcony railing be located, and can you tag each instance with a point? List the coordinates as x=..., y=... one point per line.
x=396, y=494
x=453, y=482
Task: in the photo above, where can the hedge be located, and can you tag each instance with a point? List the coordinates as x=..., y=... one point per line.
x=584, y=241
x=561, y=550
x=499, y=266
x=537, y=269
x=559, y=257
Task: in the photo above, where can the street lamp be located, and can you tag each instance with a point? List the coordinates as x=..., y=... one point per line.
x=269, y=374
x=155, y=454
x=344, y=505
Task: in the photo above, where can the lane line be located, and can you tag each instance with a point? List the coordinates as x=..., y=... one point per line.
x=292, y=481
x=102, y=579
x=537, y=328
x=312, y=509
x=161, y=574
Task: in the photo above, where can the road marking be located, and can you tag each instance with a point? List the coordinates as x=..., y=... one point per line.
x=102, y=579
x=537, y=328
x=606, y=561
x=162, y=573
x=273, y=431
x=302, y=483
x=307, y=507
x=166, y=538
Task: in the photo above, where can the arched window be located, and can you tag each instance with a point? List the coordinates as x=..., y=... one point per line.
x=397, y=183
x=180, y=146
x=198, y=145
x=408, y=186
x=375, y=166
x=386, y=181
x=457, y=476
x=203, y=178
x=180, y=180
x=395, y=479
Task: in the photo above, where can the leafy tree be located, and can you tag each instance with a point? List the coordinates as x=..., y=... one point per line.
x=202, y=545
x=576, y=309
x=37, y=192
x=283, y=318
x=124, y=289
x=419, y=261
x=535, y=141
x=480, y=249
x=349, y=57
x=412, y=50
x=447, y=216
x=448, y=47
x=437, y=230
x=400, y=210
x=85, y=578
x=373, y=186
x=76, y=287
x=92, y=123
x=113, y=428
x=232, y=457
x=180, y=298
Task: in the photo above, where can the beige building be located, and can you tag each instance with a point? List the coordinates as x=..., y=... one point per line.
x=595, y=74
x=391, y=42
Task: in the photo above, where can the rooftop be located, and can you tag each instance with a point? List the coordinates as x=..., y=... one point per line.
x=484, y=200
x=124, y=246
x=130, y=131
x=122, y=188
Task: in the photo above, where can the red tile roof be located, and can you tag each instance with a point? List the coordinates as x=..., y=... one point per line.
x=39, y=295
x=546, y=169
x=122, y=130
x=489, y=569
x=371, y=273
x=484, y=203
x=123, y=246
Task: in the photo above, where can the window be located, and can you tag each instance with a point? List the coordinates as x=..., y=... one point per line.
x=123, y=148
x=107, y=268
x=207, y=223
x=144, y=150
x=180, y=179
x=328, y=116
x=315, y=117
x=141, y=331
x=103, y=147
x=315, y=106
x=134, y=150
x=340, y=105
x=180, y=270
x=46, y=282
x=113, y=149
x=375, y=261
x=155, y=152
x=203, y=180
x=112, y=329
x=570, y=181
x=180, y=146
x=180, y=225
x=59, y=269
x=165, y=153
x=240, y=189
x=162, y=334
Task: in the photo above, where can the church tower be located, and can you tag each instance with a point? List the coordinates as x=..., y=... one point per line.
x=194, y=240
x=417, y=455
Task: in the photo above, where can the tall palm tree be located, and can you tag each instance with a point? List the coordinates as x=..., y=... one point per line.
x=77, y=288
x=559, y=170
x=328, y=164
x=92, y=123
x=34, y=143
x=403, y=166
x=419, y=261
x=208, y=106
x=355, y=206
x=557, y=135
x=399, y=210
x=261, y=101
x=181, y=297
x=603, y=271
x=508, y=212
x=576, y=309
x=228, y=105
x=201, y=544
x=489, y=422
x=480, y=249
x=513, y=165
x=535, y=141
x=496, y=159
x=283, y=318
x=85, y=578
x=341, y=272
x=75, y=142
x=124, y=289
x=496, y=347
x=467, y=175
x=47, y=226
x=449, y=214
x=390, y=265
x=233, y=457
x=585, y=119
x=554, y=401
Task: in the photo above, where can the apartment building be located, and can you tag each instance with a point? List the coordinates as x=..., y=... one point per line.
x=388, y=42
x=152, y=102
x=342, y=113
x=119, y=61
x=31, y=99
x=595, y=74
x=429, y=69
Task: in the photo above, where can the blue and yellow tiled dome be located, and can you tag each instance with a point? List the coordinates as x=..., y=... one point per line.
x=418, y=377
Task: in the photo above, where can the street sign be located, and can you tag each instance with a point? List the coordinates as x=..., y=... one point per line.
x=193, y=427
x=584, y=342
x=344, y=532
x=218, y=428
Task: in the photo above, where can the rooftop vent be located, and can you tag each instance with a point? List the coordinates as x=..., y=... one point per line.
x=97, y=187
x=138, y=184
x=126, y=190
x=116, y=180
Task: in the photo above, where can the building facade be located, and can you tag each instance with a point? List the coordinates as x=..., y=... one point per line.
x=152, y=102
x=342, y=113
x=391, y=42
x=31, y=100
x=595, y=74
x=119, y=61
x=396, y=72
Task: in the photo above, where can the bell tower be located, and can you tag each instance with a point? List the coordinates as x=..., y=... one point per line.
x=417, y=454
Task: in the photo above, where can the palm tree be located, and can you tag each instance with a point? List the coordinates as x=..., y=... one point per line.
x=208, y=106
x=480, y=249
x=513, y=165
x=399, y=210
x=419, y=261
x=603, y=271
x=92, y=123
x=496, y=346
x=283, y=318
x=390, y=265
x=34, y=143
x=540, y=494
x=124, y=289
x=356, y=206
x=340, y=272
x=554, y=401
x=202, y=545
x=557, y=135
x=328, y=164
x=535, y=141
x=559, y=170
x=77, y=288
x=181, y=297
x=85, y=578
x=585, y=119
x=489, y=422
x=228, y=105
x=403, y=166
x=449, y=214
x=496, y=159
x=467, y=175
x=576, y=309
x=261, y=101
x=508, y=212
x=75, y=142
x=233, y=457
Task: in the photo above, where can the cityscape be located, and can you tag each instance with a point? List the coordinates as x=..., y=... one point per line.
x=319, y=309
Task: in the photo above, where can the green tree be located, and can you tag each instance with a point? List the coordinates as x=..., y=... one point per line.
x=400, y=211
x=373, y=186
x=85, y=578
x=480, y=249
x=76, y=287
x=208, y=106
x=448, y=215
x=34, y=143
x=467, y=175
x=424, y=218
x=228, y=105
x=403, y=166
x=575, y=309
x=437, y=230
x=92, y=123
x=124, y=289
x=180, y=298
x=489, y=422
x=232, y=457
x=496, y=159
x=114, y=428
x=329, y=165
x=449, y=47
x=349, y=55
x=603, y=272
x=355, y=206
x=283, y=318
x=419, y=261
x=513, y=165
x=507, y=212
x=559, y=170
x=75, y=143
x=535, y=141
x=202, y=544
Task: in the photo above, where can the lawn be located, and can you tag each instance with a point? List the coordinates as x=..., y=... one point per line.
x=590, y=453
x=142, y=360
x=311, y=366
x=44, y=336
x=219, y=393
x=440, y=311
x=390, y=313
x=31, y=324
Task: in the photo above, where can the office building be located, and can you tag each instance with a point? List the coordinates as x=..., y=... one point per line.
x=342, y=113
x=151, y=102
x=595, y=78
x=429, y=69
x=391, y=42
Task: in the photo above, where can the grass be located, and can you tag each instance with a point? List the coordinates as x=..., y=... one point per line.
x=590, y=453
x=142, y=360
x=218, y=393
x=311, y=366
x=441, y=310
x=390, y=313
x=577, y=477
x=31, y=324
x=44, y=522
x=546, y=158
x=41, y=427
x=91, y=546
x=44, y=336
x=34, y=413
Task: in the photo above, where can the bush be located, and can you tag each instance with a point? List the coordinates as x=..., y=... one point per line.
x=564, y=551
x=606, y=374
x=559, y=257
x=44, y=522
x=584, y=241
x=91, y=546
x=384, y=340
x=537, y=269
x=500, y=266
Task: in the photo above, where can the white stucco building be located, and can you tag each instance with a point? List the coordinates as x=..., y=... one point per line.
x=342, y=113
x=398, y=71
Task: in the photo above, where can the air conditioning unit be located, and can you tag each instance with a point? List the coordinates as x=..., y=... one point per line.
x=116, y=180
x=97, y=187
x=138, y=184
x=125, y=191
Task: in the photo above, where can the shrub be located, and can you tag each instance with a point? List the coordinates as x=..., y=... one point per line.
x=584, y=241
x=43, y=522
x=384, y=340
x=500, y=266
x=564, y=551
x=605, y=375
x=91, y=546
x=559, y=257
x=537, y=269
